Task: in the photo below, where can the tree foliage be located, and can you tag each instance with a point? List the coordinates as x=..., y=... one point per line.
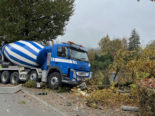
x=138, y=65
x=134, y=41
x=124, y=44
x=152, y=44
x=110, y=46
x=38, y=20
x=108, y=50
x=92, y=54
x=115, y=57
x=102, y=62
x=98, y=60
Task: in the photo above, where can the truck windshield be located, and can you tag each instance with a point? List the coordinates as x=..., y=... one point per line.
x=78, y=54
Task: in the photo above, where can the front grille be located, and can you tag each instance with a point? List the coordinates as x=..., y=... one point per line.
x=82, y=74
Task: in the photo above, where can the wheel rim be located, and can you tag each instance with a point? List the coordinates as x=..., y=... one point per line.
x=54, y=80
x=4, y=78
x=33, y=76
x=13, y=79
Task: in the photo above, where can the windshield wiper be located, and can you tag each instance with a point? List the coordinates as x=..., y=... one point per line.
x=83, y=59
x=80, y=59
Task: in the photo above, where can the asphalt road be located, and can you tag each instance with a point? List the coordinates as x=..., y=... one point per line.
x=22, y=105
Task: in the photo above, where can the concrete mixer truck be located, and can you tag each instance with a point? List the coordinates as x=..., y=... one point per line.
x=56, y=64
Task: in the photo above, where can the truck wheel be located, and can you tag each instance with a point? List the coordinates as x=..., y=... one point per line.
x=54, y=80
x=33, y=75
x=5, y=77
x=14, y=79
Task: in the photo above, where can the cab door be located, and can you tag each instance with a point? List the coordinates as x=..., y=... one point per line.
x=62, y=60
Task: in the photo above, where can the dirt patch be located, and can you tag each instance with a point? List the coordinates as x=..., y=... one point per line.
x=75, y=105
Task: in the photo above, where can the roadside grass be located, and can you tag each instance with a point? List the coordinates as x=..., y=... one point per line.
x=64, y=88
x=15, y=84
x=22, y=102
x=30, y=84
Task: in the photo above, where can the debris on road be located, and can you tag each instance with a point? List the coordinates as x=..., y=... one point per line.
x=129, y=108
x=83, y=86
x=42, y=93
x=69, y=104
x=83, y=93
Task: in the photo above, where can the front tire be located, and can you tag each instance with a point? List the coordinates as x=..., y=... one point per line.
x=54, y=80
x=14, y=79
x=5, y=77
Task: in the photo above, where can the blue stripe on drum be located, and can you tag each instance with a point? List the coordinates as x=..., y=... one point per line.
x=13, y=49
x=19, y=61
x=13, y=61
x=26, y=47
x=27, y=43
x=34, y=44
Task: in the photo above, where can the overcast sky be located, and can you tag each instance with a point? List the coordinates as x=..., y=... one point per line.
x=94, y=19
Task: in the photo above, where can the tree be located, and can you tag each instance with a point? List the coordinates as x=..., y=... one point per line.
x=104, y=42
x=110, y=46
x=99, y=61
x=120, y=61
x=92, y=54
x=102, y=62
x=134, y=41
x=124, y=44
x=144, y=66
x=152, y=44
x=37, y=20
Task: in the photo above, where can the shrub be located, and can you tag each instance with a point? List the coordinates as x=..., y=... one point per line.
x=97, y=79
x=63, y=89
x=110, y=96
x=30, y=84
x=146, y=95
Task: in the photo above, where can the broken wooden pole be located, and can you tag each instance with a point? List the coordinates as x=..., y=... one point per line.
x=129, y=108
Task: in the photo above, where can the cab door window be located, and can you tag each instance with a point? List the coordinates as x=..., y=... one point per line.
x=62, y=52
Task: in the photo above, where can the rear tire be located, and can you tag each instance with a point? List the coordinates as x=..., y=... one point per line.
x=54, y=80
x=14, y=79
x=5, y=77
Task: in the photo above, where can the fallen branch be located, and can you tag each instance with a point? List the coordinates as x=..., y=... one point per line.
x=129, y=108
x=125, y=91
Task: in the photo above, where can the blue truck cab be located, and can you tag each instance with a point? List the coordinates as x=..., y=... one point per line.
x=69, y=63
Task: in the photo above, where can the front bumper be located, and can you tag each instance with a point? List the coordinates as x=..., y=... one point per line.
x=77, y=77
